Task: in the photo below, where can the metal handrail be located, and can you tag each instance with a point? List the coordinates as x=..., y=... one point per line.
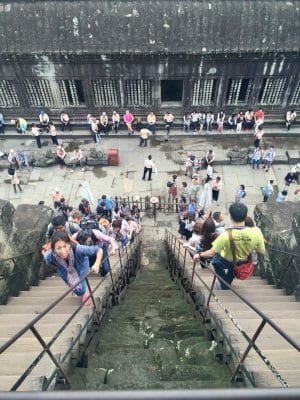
x=19, y=255
x=265, y=318
x=46, y=346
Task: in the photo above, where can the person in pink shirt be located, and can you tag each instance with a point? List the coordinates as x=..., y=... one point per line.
x=128, y=119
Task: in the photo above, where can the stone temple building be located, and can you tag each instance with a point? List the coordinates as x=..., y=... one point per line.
x=85, y=56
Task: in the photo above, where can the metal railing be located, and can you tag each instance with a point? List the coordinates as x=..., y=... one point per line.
x=173, y=243
x=166, y=205
x=46, y=346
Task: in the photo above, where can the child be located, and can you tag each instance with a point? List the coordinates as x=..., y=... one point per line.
x=240, y=194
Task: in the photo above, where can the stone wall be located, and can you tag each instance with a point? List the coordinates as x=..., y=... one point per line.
x=149, y=26
x=280, y=224
x=22, y=230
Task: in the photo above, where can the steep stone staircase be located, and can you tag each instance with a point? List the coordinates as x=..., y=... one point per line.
x=69, y=346
x=229, y=319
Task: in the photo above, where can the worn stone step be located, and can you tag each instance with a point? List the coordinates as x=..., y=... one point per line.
x=250, y=314
x=31, y=384
x=38, y=309
x=265, y=379
x=44, y=329
x=11, y=319
x=265, y=341
x=255, y=298
x=42, y=301
x=287, y=359
x=265, y=307
x=31, y=345
x=290, y=326
x=17, y=364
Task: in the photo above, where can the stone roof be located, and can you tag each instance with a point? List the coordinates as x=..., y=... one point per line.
x=149, y=26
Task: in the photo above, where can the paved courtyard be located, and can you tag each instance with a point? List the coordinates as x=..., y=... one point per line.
x=126, y=178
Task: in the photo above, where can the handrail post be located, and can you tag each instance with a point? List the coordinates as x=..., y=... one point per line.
x=251, y=343
x=49, y=352
x=193, y=274
x=120, y=259
x=184, y=261
x=179, y=244
x=93, y=299
x=209, y=297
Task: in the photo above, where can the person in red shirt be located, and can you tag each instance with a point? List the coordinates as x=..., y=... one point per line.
x=259, y=117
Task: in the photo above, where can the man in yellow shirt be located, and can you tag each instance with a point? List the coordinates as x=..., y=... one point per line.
x=245, y=240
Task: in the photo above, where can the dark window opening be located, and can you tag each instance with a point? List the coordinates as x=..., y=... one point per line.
x=79, y=90
x=262, y=90
x=243, y=90
x=171, y=90
x=68, y=91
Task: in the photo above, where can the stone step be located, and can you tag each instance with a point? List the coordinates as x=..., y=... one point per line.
x=42, y=301
x=31, y=345
x=290, y=326
x=11, y=319
x=265, y=379
x=290, y=359
x=265, y=341
x=264, y=307
x=37, y=309
x=255, y=298
x=249, y=314
x=44, y=329
x=31, y=384
x=17, y=364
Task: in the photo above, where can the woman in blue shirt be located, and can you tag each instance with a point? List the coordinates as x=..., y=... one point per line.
x=72, y=262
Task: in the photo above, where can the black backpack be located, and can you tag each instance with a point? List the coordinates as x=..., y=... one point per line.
x=87, y=224
x=11, y=170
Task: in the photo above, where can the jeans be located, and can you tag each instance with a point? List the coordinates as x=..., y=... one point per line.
x=105, y=266
x=255, y=162
x=149, y=170
x=224, y=269
x=81, y=288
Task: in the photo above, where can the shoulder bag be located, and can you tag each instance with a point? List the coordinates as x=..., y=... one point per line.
x=242, y=271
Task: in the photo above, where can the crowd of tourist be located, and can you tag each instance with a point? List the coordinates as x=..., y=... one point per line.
x=195, y=122
x=79, y=239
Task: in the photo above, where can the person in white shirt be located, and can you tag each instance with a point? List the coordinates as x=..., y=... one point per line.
x=77, y=158
x=151, y=122
x=209, y=121
x=103, y=123
x=268, y=190
x=168, y=118
x=220, y=121
x=115, y=121
x=268, y=158
x=36, y=132
x=148, y=166
x=210, y=158
x=290, y=118
x=65, y=121
x=219, y=222
x=53, y=133
x=44, y=120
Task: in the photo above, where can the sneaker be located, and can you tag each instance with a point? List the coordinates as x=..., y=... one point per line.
x=72, y=170
x=84, y=297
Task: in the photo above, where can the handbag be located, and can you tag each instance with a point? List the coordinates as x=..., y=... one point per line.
x=242, y=271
